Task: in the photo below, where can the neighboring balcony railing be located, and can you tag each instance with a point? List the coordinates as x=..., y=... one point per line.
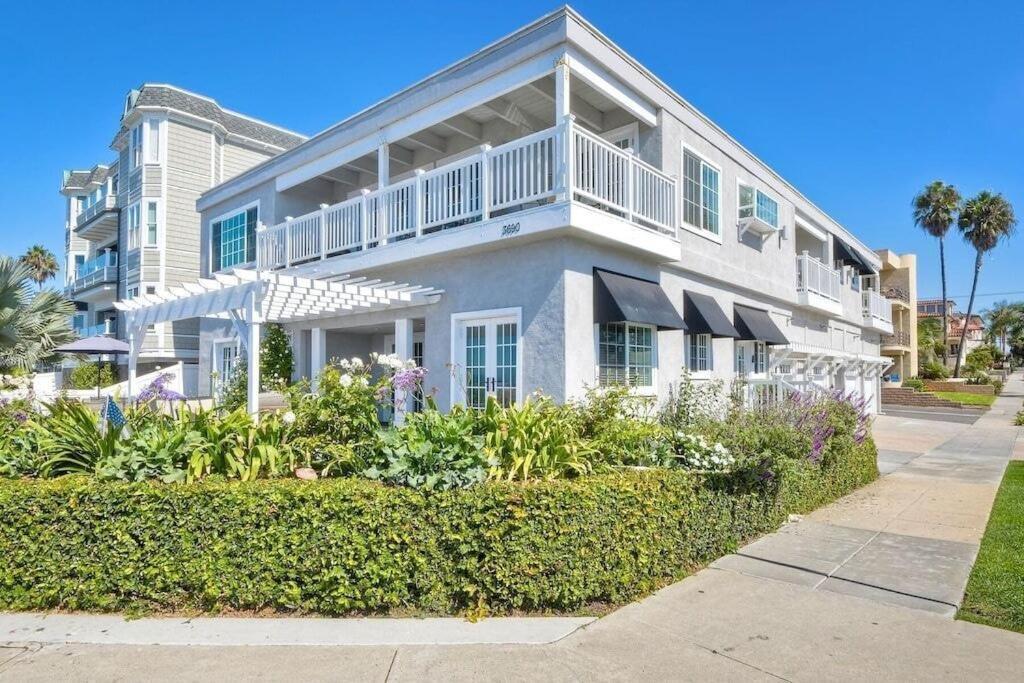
x=531, y=171
x=106, y=203
x=896, y=294
x=95, y=271
x=876, y=306
x=104, y=329
x=897, y=338
x=817, y=278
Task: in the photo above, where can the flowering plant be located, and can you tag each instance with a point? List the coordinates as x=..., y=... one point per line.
x=157, y=390
x=694, y=451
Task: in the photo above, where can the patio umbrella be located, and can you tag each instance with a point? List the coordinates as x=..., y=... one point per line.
x=95, y=346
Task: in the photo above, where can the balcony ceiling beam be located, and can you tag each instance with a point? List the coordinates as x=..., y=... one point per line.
x=400, y=154
x=463, y=125
x=510, y=111
x=345, y=176
x=362, y=165
x=585, y=112
x=430, y=141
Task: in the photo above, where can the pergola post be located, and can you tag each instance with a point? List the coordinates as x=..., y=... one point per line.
x=253, y=354
x=317, y=354
x=404, y=350
x=562, y=111
x=133, y=357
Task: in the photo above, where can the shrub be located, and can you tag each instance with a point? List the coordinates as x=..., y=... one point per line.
x=275, y=358
x=981, y=358
x=933, y=370
x=535, y=439
x=85, y=375
x=349, y=546
x=433, y=451
x=914, y=383
x=1019, y=419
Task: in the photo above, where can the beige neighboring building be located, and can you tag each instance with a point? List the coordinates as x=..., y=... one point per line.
x=899, y=285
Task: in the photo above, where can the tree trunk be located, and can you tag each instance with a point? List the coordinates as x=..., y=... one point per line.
x=945, y=314
x=967, y=319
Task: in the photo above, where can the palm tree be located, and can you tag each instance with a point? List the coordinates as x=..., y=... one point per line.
x=935, y=211
x=42, y=262
x=929, y=340
x=1001, y=320
x=984, y=220
x=31, y=324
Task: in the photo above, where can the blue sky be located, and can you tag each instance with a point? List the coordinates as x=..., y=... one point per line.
x=858, y=104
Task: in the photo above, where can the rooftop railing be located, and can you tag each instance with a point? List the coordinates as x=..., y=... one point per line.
x=817, y=277
x=876, y=306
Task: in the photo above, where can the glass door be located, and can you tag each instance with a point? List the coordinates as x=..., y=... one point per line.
x=225, y=358
x=489, y=356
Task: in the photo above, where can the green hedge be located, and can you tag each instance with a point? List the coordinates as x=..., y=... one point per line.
x=347, y=545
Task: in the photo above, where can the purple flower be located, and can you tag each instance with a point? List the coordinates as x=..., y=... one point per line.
x=158, y=391
x=409, y=379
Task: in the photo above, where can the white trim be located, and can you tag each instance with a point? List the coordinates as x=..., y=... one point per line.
x=513, y=313
x=699, y=374
x=812, y=230
x=650, y=390
x=597, y=77
x=215, y=267
x=696, y=229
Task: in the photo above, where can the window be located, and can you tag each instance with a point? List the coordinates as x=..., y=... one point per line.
x=234, y=239
x=625, y=355
x=626, y=137
x=699, y=359
x=151, y=224
x=133, y=226
x=756, y=203
x=700, y=193
x=741, y=358
x=760, y=358
x=131, y=293
x=153, y=142
x=135, y=146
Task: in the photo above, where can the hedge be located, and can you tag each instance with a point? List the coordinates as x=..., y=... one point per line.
x=348, y=546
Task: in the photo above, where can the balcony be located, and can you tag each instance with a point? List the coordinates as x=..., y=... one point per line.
x=817, y=285
x=634, y=202
x=96, y=279
x=877, y=311
x=98, y=223
x=899, y=340
x=107, y=328
x=897, y=295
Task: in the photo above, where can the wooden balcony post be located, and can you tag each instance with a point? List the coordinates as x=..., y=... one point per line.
x=323, y=231
x=288, y=240
x=485, y=182
x=364, y=218
x=418, y=203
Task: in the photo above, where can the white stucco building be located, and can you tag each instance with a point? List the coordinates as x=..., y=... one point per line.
x=545, y=214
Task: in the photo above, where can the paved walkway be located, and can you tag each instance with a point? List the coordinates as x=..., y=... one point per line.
x=862, y=589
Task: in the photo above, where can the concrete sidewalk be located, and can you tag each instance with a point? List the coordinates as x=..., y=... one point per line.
x=861, y=589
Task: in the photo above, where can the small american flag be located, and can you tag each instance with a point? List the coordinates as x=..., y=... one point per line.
x=112, y=413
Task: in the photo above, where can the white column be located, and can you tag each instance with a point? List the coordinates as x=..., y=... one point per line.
x=561, y=89
x=253, y=355
x=133, y=360
x=403, y=349
x=317, y=354
x=383, y=165
x=564, y=145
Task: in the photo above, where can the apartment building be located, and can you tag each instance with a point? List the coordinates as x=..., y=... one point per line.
x=899, y=285
x=544, y=215
x=132, y=227
x=932, y=308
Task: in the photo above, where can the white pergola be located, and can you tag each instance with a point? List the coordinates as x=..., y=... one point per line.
x=249, y=298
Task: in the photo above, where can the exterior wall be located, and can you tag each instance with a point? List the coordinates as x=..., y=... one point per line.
x=235, y=159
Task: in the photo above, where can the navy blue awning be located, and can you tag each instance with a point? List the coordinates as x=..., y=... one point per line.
x=621, y=298
x=703, y=315
x=754, y=324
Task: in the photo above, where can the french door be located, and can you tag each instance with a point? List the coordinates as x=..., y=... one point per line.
x=225, y=358
x=487, y=351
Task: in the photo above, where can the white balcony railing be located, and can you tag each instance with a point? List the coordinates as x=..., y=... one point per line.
x=876, y=306
x=106, y=203
x=533, y=170
x=817, y=278
x=95, y=271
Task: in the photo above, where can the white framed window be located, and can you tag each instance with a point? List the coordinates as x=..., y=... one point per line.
x=701, y=193
x=131, y=292
x=151, y=226
x=626, y=137
x=626, y=355
x=133, y=219
x=487, y=356
x=135, y=146
x=233, y=238
x=754, y=202
x=153, y=142
x=760, y=358
x=699, y=353
x=741, y=358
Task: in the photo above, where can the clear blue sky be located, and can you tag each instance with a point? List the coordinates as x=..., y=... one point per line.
x=858, y=104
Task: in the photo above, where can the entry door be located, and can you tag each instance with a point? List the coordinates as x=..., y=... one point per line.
x=488, y=351
x=225, y=357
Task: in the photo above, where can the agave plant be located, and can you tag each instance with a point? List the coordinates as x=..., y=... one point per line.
x=72, y=436
x=31, y=323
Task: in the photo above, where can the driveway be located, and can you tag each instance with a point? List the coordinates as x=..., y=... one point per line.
x=861, y=589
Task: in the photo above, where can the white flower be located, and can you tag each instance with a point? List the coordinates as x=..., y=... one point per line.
x=357, y=363
x=345, y=380
x=363, y=381
x=288, y=418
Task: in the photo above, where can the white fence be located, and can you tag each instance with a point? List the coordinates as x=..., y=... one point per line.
x=520, y=174
x=876, y=306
